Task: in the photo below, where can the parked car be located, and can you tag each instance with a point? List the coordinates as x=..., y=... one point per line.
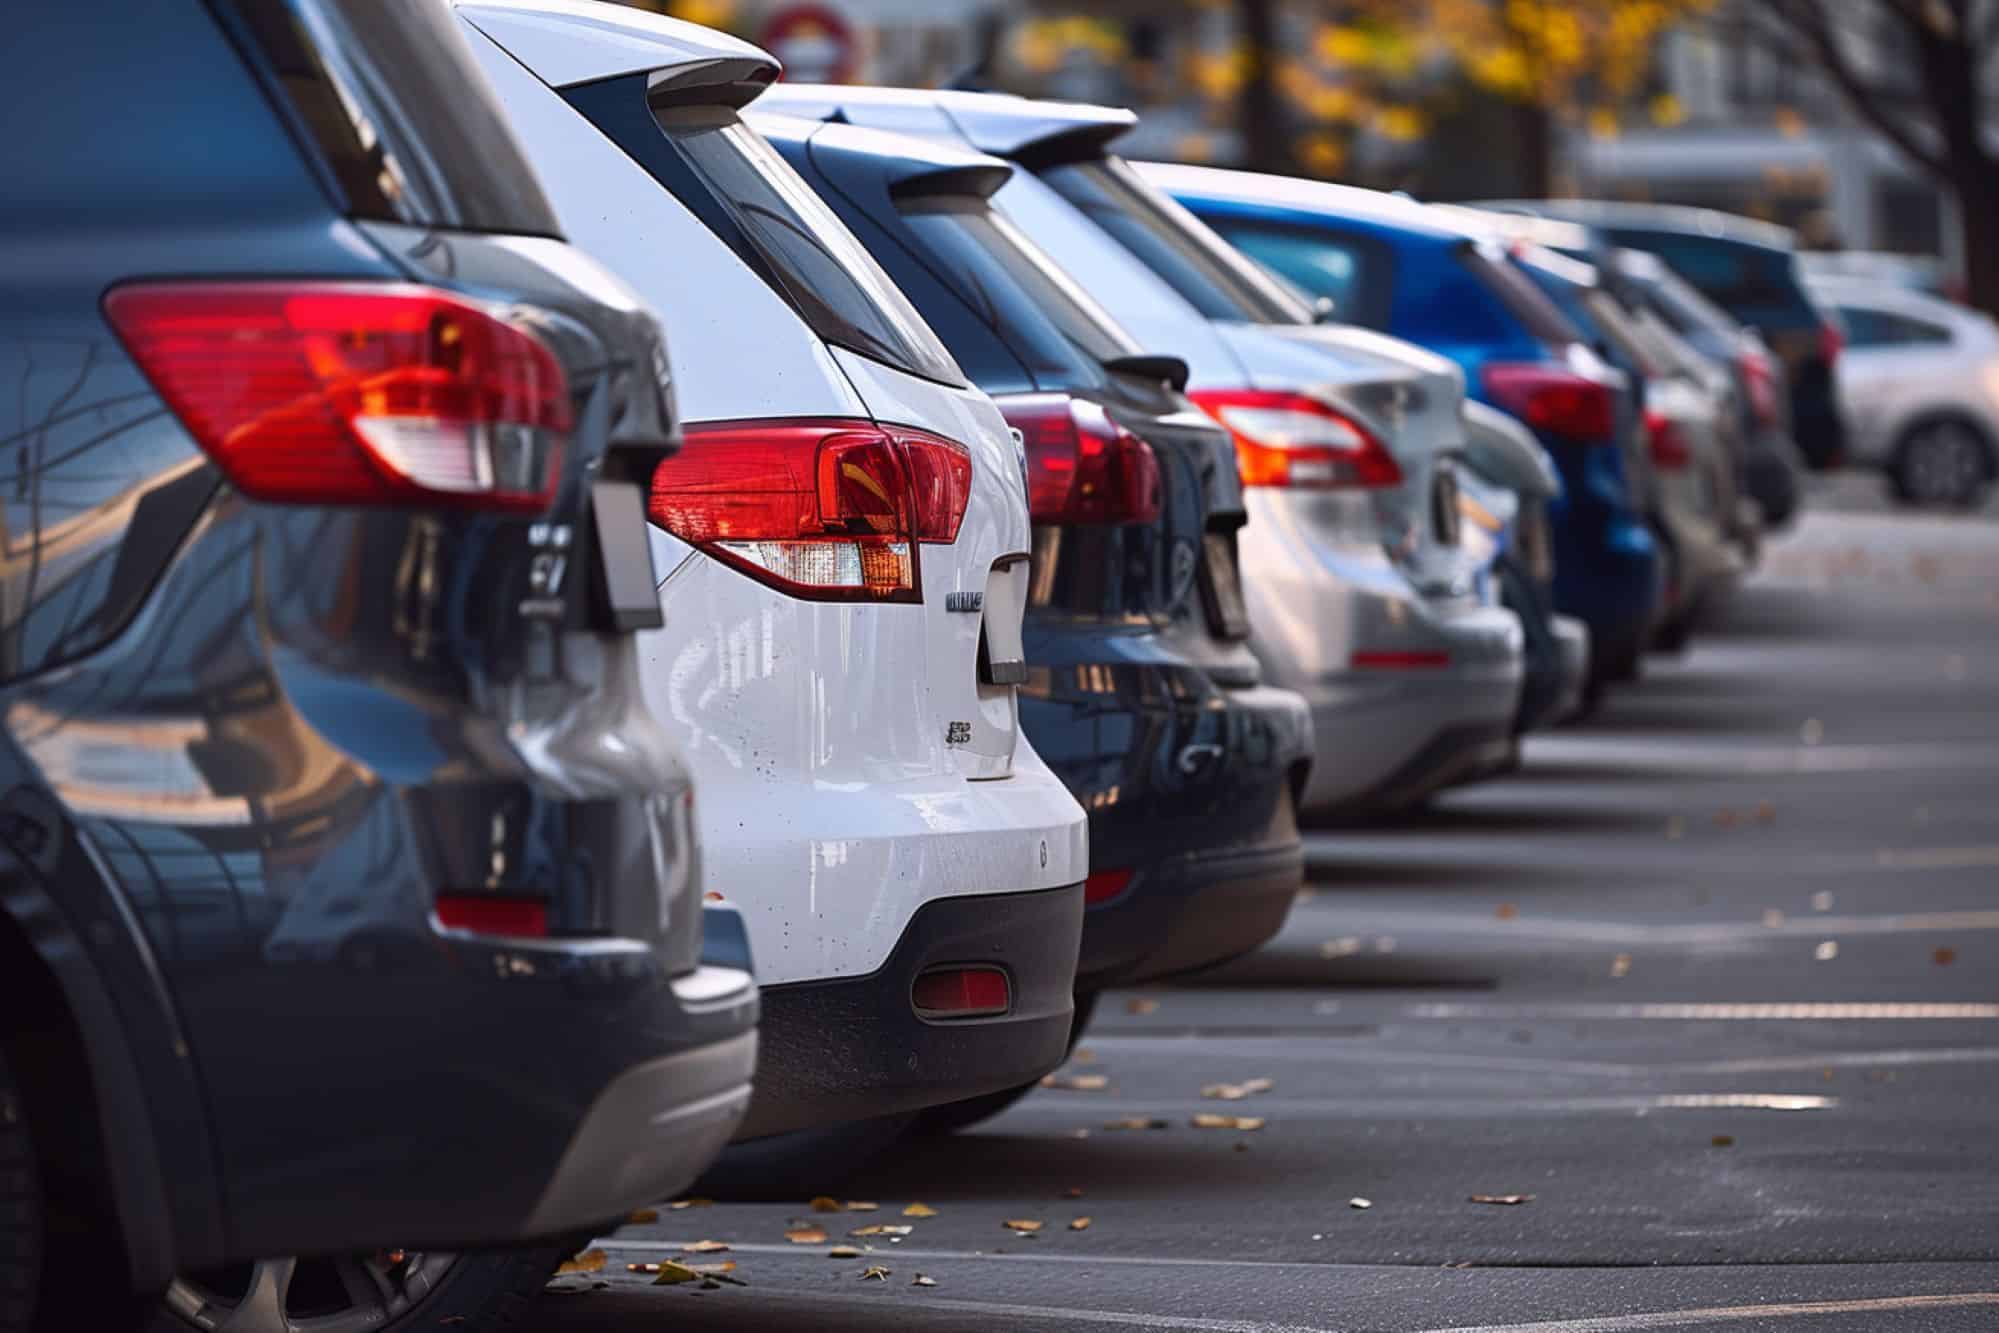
x=1921, y=273
x=1345, y=441
x=845, y=543
x=1749, y=269
x=350, y=905
x=1921, y=387
x=1142, y=693
x=1421, y=273
x=1683, y=456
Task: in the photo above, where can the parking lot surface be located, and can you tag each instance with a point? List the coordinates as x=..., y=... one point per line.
x=1711, y=987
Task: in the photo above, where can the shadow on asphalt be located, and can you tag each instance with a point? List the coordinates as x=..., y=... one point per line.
x=1485, y=819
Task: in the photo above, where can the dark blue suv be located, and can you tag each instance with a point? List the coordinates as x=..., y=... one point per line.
x=1390, y=263
x=348, y=900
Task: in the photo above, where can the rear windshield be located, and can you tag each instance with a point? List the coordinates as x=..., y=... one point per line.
x=1686, y=309
x=1355, y=273
x=1733, y=274
x=1591, y=308
x=1214, y=279
x=1017, y=291
x=809, y=255
x=397, y=111
x=1526, y=301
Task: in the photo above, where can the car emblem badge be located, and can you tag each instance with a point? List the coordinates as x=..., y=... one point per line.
x=971, y=603
x=1184, y=561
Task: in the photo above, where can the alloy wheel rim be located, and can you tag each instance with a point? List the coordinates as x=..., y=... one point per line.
x=373, y=1290
x=1946, y=463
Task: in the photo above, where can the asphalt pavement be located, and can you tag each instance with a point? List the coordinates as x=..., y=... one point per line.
x=1704, y=1002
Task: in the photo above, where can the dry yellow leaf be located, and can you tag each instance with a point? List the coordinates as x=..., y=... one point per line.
x=1944, y=957
x=1139, y=1004
x=1079, y=1224
x=672, y=1274
x=806, y=1236
x=1620, y=965
x=843, y=1252
x=1208, y=1120
x=874, y=1273
x=1505, y=1200
x=1024, y=1225
x=861, y=1206
x=1077, y=1082
x=1722, y=1141
x=1135, y=1122
x=641, y=1216
x=822, y=1204
x=590, y=1261
x=1506, y=911
x=881, y=1229
x=1226, y=1092
x=1253, y=1086
x=919, y=1210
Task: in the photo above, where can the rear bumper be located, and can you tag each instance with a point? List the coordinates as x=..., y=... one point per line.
x=855, y=1048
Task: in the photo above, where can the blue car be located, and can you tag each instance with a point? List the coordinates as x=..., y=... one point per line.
x=1393, y=264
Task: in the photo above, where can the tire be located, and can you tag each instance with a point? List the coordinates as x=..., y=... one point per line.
x=1944, y=462
x=20, y=1211
x=488, y=1291
x=800, y=1164
x=954, y=1116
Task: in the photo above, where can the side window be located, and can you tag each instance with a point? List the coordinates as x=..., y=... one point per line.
x=1869, y=327
x=1356, y=273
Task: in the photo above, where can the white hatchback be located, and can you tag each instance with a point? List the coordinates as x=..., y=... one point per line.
x=845, y=545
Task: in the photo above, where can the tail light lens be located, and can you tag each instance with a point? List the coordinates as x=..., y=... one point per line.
x=1104, y=885
x=824, y=510
x=1668, y=445
x=1759, y=381
x=1387, y=660
x=1082, y=467
x=331, y=393
x=1294, y=441
x=1554, y=402
x=1832, y=341
x=488, y=914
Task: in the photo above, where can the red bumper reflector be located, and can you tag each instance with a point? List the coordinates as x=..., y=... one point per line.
x=961, y=992
x=1104, y=885
x=486, y=914
x=1399, y=661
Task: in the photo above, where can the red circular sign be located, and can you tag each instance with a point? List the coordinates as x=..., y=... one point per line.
x=813, y=42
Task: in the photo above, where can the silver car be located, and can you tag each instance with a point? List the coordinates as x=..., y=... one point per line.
x=1359, y=597
x=1920, y=386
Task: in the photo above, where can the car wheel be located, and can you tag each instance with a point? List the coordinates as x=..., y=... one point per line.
x=20, y=1211
x=954, y=1116
x=386, y=1292
x=1946, y=461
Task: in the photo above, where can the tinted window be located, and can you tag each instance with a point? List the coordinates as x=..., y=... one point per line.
x=1867, y=327
x=397, y=112
x=1016, y=290
x=1733, y=274
x=1218, y=282
x=1357, y=274
x=1521, y=297
x=807, y=252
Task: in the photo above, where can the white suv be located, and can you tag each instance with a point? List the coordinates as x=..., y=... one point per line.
x=845, y=544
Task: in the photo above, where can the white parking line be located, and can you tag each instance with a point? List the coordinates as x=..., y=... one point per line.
x=1936, y=858
x=1528, y=927
x=1820, y=1012
x=1736, y=1314
x=1065, y=1315
x=1460, y=1103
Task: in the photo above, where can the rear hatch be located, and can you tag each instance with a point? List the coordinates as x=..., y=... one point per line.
x=937, y=487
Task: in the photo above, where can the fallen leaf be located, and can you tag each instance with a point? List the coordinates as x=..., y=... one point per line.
x=1765, y=812
x=1341, y=947
x=1360, y=1203
x=1253, y=1086
x=641, y=1216
x=875, y=1273
x=919, y=1210
x=1722, y=1141
x=713, y=896
x=822, y=1204
x=1139, y=1004
x=679, y=1204
x=922, y=1281
x=806, y=1236
x=590, y=1261
x=1079, y=1224
x=1024, y=1225
x=1944, y=957
x=1208, y=1120
x=861, y=1206
x=1135, y=1122
x=1083, y=1055
x=1827, y=951
x=1076, y=1082
x=1772, y=918
x=672, y=1274
x=706, y=1247
x=1506, y=912
x=1620, y=965
x=844, y=1252
x=1505, y=1200
x=881, y=1229
x=1822, y=901
x=1226, y=1092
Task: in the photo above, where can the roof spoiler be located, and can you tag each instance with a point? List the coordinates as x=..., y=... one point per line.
x=733, y=81
x=981, y=181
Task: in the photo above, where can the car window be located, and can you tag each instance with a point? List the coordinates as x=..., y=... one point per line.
x=1500, y=274
x=403, y=121
x=1869, y=327
x=1355, y=273
x=1216, y=280
x=809, y=255
x=1016, y=290
x=1733, y=274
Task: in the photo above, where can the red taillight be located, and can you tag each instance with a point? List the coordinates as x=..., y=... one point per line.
x=1293, y=440
x=1082, y=467
x=1760, y=383
x=334, y=393
x=1399, y=661
x=489, y=914
x=1669, y=447
x=1104, y=885
x=827, y=510
x=1555, y=402
x=961, y=992
x=1832, y=341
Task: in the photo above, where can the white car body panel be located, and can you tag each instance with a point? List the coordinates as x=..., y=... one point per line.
x=831, y=803
x=1884, y=390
